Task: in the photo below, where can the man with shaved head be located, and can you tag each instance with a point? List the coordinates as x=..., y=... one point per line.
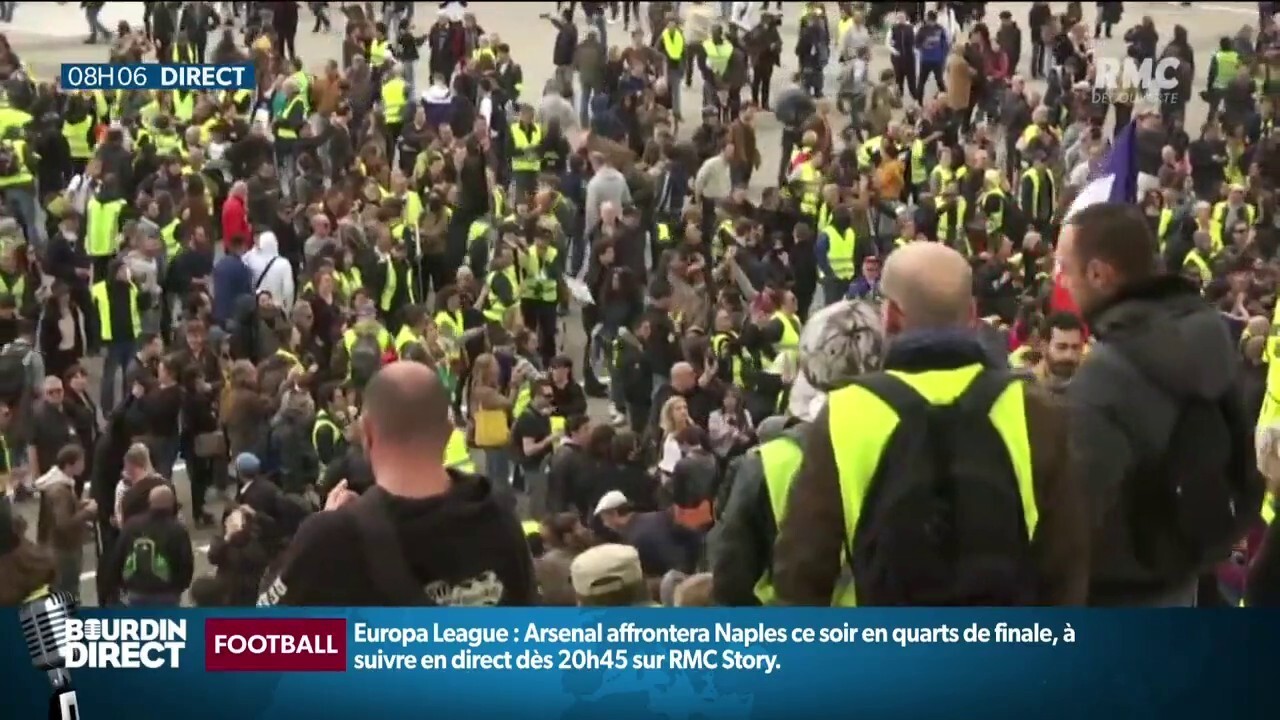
x=940, y=481
x=424, y=534
x=152, y=562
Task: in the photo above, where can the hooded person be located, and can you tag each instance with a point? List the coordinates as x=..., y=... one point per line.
x=437, y=102
x=838, y=344
x=271, y=272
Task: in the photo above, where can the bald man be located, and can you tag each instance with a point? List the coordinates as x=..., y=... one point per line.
x=152, y=562
x=424, y=534
x=935, y=355
x=701, y=396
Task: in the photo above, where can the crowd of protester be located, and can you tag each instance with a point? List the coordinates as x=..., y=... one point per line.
x=249, y=265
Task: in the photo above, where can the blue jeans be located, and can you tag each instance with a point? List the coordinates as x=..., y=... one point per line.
x=119, y=353
x=674, y=76
x=584, y=106
x=21, y=202
x=497, y=466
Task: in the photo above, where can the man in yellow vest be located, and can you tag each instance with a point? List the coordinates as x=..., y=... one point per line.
x=838, y=256
x=288, y=126
x=526, y=153
x=18, y=180
x=672, y=45
x=741, y=546
x=78, y=130
x=1038, y=193
x=939, y=416
x=714, y=63
x=1222, y=72
x=118, y=309
x=540, y=292
x=395, y=104
x=1198, y=264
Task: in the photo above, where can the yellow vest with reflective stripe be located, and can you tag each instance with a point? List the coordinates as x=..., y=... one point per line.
x=1162, y=230
x=718, y=341
x=184, y=106
x=858, y=455
x=392, y=284
x=995, y=220
x=526, y=144
x=1228, y=62
x=456, y=454
x=919, y=172
x=102, y=225
x=169, y=234
x=538, y=284
x=811, y=180
x=1033, y=212
x=718, y=55
x=790, y=340
x=284, y=132
x=780, y=459
x=494, y=308
x=23, y=176
x=77, y=135
x=102, y=301
x=378, y=52
x=17, y=289
x=1198, y=261
x=405, y=337
x=324, y=421
x=1218, y=221
x=840, y=250
x=673, y=44
x=394, y=98
x=944, y=218
x=871, y=145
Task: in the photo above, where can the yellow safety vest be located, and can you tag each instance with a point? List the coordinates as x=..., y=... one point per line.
x=394, y=100
x=919, y=172
x=780, y=459
x=324, y=422
x=944, y=218
x=840, y=250
x=284, y=132
x=526, y=156
x=995, y=220
x=23, y=175
x=103, y=225
x=717, y=55
x=392, y=284
x=169, y=234
x=166, y=143
x=456, y=454
x=843, y=27
x=811, y=179
x=664, y=233
x=404, y=338
x=538, y=285
x=1033, y=212
x=1219, y=220
x=184, y=106
x=102, y=301
x=790, y=340
x=350, y=337
x=378, y=52
x=1162, y=230
x=10, y=117
x=479, y=53
x=77, y=136
x=184, y=53
x=16, y=290
x=871, y=145
x=718, y=341
x=858, y=455
x=673, y=44
x=1201, y=265
x=1228, y=62
x=494, y=308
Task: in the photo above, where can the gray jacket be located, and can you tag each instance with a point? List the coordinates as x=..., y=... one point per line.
x=607, y=185
x=1157, y=347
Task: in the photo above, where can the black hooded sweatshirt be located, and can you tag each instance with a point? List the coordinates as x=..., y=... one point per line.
x=464, y=548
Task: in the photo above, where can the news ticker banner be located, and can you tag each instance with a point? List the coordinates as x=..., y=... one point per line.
x=152, y=76
x=658, y=663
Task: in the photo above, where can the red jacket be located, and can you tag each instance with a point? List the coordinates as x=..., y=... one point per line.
x=235, y=221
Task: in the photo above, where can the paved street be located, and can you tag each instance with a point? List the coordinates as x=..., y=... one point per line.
x=48, y=34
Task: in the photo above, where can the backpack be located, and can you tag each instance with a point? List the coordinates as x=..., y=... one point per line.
x=9, y=162
x=13, y=373
x=1206, y=493
x=384, y=555
x=365, y=357
x=145, y=562
x=943, y=521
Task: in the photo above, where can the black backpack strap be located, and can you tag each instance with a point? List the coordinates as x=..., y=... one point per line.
x=985, y=390
x=895, y=392
x=384, y=553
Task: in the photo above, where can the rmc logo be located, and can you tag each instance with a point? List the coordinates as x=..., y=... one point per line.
x=1125, y=81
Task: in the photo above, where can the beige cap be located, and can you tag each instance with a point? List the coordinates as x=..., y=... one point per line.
x=605, y=569
x=612, y=500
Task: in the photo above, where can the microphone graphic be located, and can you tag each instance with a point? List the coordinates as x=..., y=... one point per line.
x=44, y=626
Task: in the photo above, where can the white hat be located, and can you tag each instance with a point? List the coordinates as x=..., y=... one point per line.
x=612, y=500
x=604, y=569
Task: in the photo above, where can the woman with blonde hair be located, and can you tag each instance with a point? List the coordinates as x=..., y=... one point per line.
x=489, y=406
x=673, y=418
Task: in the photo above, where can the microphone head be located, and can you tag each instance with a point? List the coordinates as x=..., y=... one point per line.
x=44, y=627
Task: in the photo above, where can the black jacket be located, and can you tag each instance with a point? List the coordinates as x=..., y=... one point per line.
x=1155, y=345
x=172, y=543
x=464, y=547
